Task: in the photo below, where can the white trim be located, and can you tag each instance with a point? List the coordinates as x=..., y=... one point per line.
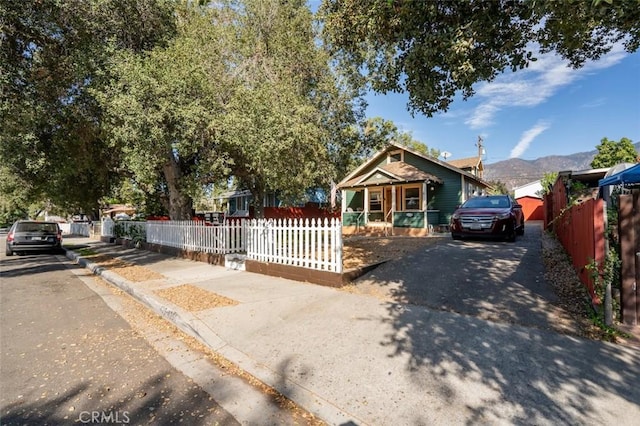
x=377, y=170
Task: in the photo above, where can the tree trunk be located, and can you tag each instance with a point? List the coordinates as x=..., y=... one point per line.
x=257, y=192
x=180, y=205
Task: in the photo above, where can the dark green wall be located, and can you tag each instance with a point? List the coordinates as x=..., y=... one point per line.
x=355, y=200
x=408, y=219
x=445, y=197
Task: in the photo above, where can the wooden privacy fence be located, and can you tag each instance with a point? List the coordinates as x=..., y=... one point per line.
x=308, y=243
x=581, y=231
x=629, y=231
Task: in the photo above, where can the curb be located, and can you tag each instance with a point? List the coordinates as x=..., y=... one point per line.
x=195, y=327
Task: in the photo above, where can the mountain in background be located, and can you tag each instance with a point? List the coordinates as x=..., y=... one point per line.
x=516, y=172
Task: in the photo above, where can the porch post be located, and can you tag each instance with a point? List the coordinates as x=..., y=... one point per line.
x=343, y=201
x=366, y=205
x=393, y=203
x=424, y=203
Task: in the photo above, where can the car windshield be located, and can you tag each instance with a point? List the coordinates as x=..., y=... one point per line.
x=36, y=227
x=486, y=202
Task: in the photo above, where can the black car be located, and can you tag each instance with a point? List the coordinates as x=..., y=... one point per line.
x=31, y=235
x=489, y=216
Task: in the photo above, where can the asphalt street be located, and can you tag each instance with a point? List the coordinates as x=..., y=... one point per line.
x=69, y=357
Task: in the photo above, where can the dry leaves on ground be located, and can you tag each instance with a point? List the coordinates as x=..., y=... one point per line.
x=193, y=299
x=125, y=269
x=140, y=317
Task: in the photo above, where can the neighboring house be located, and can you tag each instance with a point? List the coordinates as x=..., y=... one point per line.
x=566, y=188
x=471, y=165
x=588, y=178
x=237, y=204
x=234, y=203
x=531, y=189
x=404, y=191
x=528, y=196
x=114, y=210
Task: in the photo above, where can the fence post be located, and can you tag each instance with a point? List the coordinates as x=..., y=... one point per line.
x=629, y=230
x=337, y=245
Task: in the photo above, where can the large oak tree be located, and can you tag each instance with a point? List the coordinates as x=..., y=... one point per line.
x=51, y=53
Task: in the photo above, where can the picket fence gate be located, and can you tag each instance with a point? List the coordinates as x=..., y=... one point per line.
x=308, y=243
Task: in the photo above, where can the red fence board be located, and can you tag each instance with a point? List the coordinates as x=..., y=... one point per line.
x=580, y=230
x=306, y=212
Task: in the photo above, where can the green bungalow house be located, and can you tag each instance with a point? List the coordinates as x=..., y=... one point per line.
x=404, y=192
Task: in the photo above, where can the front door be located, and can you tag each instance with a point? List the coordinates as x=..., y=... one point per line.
x=388, y=204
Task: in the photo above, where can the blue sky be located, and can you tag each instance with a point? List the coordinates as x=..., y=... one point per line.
x=547, y=109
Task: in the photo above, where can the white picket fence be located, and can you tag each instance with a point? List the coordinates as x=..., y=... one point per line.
x=78, y=229
x=307, y=243
x=198, y=236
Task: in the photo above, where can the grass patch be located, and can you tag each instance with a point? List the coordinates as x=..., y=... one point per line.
x=86, y=252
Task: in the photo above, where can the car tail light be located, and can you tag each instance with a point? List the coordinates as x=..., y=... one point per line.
x=10, y=237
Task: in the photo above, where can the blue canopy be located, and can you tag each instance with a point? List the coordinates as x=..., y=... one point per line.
x=625, y=177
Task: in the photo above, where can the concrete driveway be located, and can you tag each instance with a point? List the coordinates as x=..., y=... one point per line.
x=492, y=280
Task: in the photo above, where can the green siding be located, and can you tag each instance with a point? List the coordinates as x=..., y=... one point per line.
x=408, y=219
x=353, y=219
x=445, y=197
x=355, y=200
x=433, y=218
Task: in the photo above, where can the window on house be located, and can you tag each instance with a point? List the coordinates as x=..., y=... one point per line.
x=375, y=201
x=412, y=198
x=395, y=156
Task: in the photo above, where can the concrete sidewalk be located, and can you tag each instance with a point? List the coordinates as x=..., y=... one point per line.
x=353, y=359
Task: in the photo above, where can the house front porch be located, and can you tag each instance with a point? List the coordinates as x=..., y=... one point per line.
x=415, y=224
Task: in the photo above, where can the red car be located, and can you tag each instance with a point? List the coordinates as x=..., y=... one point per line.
x=489, y=216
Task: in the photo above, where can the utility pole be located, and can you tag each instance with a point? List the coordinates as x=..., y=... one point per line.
x=481, y=153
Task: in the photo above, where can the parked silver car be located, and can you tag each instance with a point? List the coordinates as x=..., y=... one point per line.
x=31, y=235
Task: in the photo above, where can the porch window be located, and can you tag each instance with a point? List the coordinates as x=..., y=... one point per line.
x=412, y=198
x=375, y=201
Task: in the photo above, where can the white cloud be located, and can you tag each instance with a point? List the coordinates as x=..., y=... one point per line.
x=532, y=86
x=528, y=137
x=594, y=103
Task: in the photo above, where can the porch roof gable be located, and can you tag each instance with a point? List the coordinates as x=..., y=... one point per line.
x=391, y=173
x=348, y=181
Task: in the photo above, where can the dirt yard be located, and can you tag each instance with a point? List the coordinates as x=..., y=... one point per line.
x=360, y=251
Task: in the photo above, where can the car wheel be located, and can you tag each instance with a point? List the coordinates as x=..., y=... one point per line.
x=456, y=237
x=520, y=230
x=8, y=252
x=511, y=234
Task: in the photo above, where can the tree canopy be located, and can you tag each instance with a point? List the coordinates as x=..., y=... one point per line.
x=242, y=90
x=157, y=99
x=434, y=50
x=51, y=53
x=611, y=153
